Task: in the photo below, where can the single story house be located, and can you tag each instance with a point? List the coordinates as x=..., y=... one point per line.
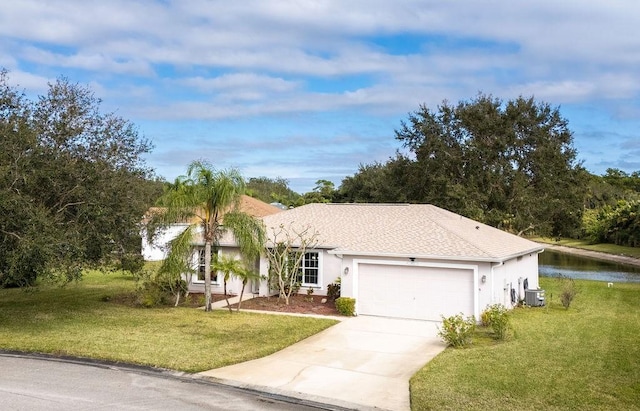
x=412, y=261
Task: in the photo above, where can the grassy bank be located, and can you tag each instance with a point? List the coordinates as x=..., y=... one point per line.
x=81, y=320
x=585, y=245
x=586, y=358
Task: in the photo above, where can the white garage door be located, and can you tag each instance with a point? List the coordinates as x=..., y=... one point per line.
x=424, y=293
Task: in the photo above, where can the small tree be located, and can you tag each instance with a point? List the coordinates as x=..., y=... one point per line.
x=178, y=263
x=285, y=256
x=245, y=275
x=568, y=291
x=229, y=267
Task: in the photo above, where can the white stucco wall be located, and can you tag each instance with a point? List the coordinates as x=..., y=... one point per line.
x=157, y=251
x=502, y=277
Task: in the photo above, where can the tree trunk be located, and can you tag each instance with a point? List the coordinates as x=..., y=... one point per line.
x=186, y=293
x=226, y=298
x=207, y=276
x=244, y=283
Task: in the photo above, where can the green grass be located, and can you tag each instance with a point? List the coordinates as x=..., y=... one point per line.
x=603, y=247
x=586, y=358
x=78, y=321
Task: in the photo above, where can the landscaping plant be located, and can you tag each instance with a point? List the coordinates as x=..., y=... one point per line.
x=568, y=291
x=333, y=290
x=286, y=257
x=457, y=331
x=309, y=296
x=346, y=306
x=496, y=317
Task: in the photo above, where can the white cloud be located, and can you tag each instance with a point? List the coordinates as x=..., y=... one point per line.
x=242, y=81
x=212, y=60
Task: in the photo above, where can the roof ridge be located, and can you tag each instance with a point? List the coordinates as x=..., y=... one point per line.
x=369, y=204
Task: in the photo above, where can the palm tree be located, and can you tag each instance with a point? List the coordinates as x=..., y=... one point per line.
x=232, y=267
x=245, y=276
x=202, y=198
x=229, y=267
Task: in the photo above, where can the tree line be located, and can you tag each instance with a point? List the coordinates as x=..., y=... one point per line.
x=510, y=164
x=74, y=183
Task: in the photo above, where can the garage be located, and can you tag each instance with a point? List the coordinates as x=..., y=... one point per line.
x=416, y=292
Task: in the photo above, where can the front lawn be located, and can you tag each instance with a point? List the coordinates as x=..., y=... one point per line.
x=82, y=320
x=586, y=358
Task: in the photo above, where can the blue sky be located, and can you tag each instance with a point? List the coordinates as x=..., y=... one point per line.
x=309, y=90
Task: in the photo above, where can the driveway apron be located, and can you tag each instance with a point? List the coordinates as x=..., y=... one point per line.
x=362, y=362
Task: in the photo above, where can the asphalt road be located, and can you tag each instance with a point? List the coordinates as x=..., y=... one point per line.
x=45, y=383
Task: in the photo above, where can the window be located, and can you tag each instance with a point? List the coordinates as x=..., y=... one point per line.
x=310, y=269
x=200, y=275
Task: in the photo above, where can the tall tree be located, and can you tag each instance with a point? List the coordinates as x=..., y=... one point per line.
x=509, y=164
x=73, y=184
x=272, y=190
x=323, y=192
x=378, y=183
x=209, y=200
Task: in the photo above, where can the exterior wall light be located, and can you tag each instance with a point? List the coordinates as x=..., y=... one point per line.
x=346, y=271
x=483, y=279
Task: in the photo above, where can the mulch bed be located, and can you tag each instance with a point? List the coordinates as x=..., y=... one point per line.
x=300, y=304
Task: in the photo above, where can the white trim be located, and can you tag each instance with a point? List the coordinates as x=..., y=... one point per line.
x=474, y=268
x=338, y=251
x=319, y=285
x=194, y=277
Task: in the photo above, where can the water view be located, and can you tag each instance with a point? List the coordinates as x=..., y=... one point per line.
x=555, y=264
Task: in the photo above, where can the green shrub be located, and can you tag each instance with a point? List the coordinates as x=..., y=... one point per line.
x=346, y=306
x=568, y=291
x=497, y=317
x=156, y=288
x=333, y=290
x=456, y=331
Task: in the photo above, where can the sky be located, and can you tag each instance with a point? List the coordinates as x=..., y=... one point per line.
x=308, y=90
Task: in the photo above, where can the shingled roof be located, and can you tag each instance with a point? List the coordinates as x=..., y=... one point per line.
x=403, y=230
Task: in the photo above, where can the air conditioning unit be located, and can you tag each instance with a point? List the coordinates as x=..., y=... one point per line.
x=534, y=298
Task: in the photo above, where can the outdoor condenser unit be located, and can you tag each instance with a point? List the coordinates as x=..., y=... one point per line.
x=534, y=298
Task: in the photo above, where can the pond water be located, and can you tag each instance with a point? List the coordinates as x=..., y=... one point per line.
x=555, y=264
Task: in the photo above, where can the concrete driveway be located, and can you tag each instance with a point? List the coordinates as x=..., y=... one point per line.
x=363, y=362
